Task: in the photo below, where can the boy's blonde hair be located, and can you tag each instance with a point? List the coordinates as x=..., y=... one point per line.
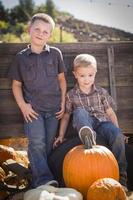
x=44, y=17
x=85, y=60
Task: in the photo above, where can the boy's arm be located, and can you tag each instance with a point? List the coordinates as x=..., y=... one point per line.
x=63, y=86
x=62, y=130
x=112, y=116
x=64, y=124
x=26, y=108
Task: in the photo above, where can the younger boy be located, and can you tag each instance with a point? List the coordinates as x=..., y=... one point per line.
x=92, y=109
x=39, y=88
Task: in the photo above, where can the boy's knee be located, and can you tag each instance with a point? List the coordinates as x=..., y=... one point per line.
x=117, y=131
x=112, y=128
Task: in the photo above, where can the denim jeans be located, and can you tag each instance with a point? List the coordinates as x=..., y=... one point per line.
x=109, y=132
x=41, y=133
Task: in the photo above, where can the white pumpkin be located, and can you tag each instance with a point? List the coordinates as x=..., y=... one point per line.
x=47, y=192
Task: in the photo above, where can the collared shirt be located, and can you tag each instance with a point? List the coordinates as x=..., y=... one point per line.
x=96, y=102
x=39, y=76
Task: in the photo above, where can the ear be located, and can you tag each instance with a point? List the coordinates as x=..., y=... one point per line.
x=28, y=28
x=95, y=72
x=51, y=34
x=74, y=73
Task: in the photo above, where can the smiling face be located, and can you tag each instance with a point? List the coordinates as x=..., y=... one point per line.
x=40, y=32
x=85, y=77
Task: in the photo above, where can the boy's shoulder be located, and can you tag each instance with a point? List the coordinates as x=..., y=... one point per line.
x=27, y=51
x=100, y=89
x=55, y=50
x=72, y=91
x=23, y=52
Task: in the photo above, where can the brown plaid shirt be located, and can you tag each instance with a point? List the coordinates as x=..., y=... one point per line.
x=96, y=103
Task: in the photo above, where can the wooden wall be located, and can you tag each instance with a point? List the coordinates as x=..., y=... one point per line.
x=115, y=73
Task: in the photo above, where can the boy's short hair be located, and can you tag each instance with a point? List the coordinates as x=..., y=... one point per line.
x=44, y=17
x=84, y=60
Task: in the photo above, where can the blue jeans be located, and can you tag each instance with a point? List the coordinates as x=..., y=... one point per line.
x=41, y=134
x=109, y=132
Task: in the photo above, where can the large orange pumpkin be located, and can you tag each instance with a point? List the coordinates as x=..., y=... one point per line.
x=81, y=167
x=106, y=189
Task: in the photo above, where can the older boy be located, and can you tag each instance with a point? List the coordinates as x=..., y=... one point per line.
x=39, y=88
x=92, y=109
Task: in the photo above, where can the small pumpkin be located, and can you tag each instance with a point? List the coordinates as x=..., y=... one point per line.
x=106, y=189
x=81, y=166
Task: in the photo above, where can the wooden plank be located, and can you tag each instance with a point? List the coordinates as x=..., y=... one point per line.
x=124, y=81
x=13, y=130
x=8, y=119
x=5, y=83
x=121, y=70
x=126, y=126
x=125, y=114
x=125, y=92
x=111, y=72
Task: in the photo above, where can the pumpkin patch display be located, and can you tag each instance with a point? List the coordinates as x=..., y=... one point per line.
x=106, y=189
x=8, y=177
x=81, y=167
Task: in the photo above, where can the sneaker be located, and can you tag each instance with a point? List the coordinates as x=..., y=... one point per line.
x=87, y=136
x=53, y=183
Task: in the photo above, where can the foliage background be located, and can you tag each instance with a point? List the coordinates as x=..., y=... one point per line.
x=14, y=22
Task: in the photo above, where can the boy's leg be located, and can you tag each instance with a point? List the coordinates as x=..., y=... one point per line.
x=83, y=122
x=51, y=124
x=35, y=132
x=81, y=118
x=115, y=140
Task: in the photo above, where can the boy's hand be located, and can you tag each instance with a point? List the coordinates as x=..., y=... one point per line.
x=28, y=112
x=58, y=141
x=59, y=114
